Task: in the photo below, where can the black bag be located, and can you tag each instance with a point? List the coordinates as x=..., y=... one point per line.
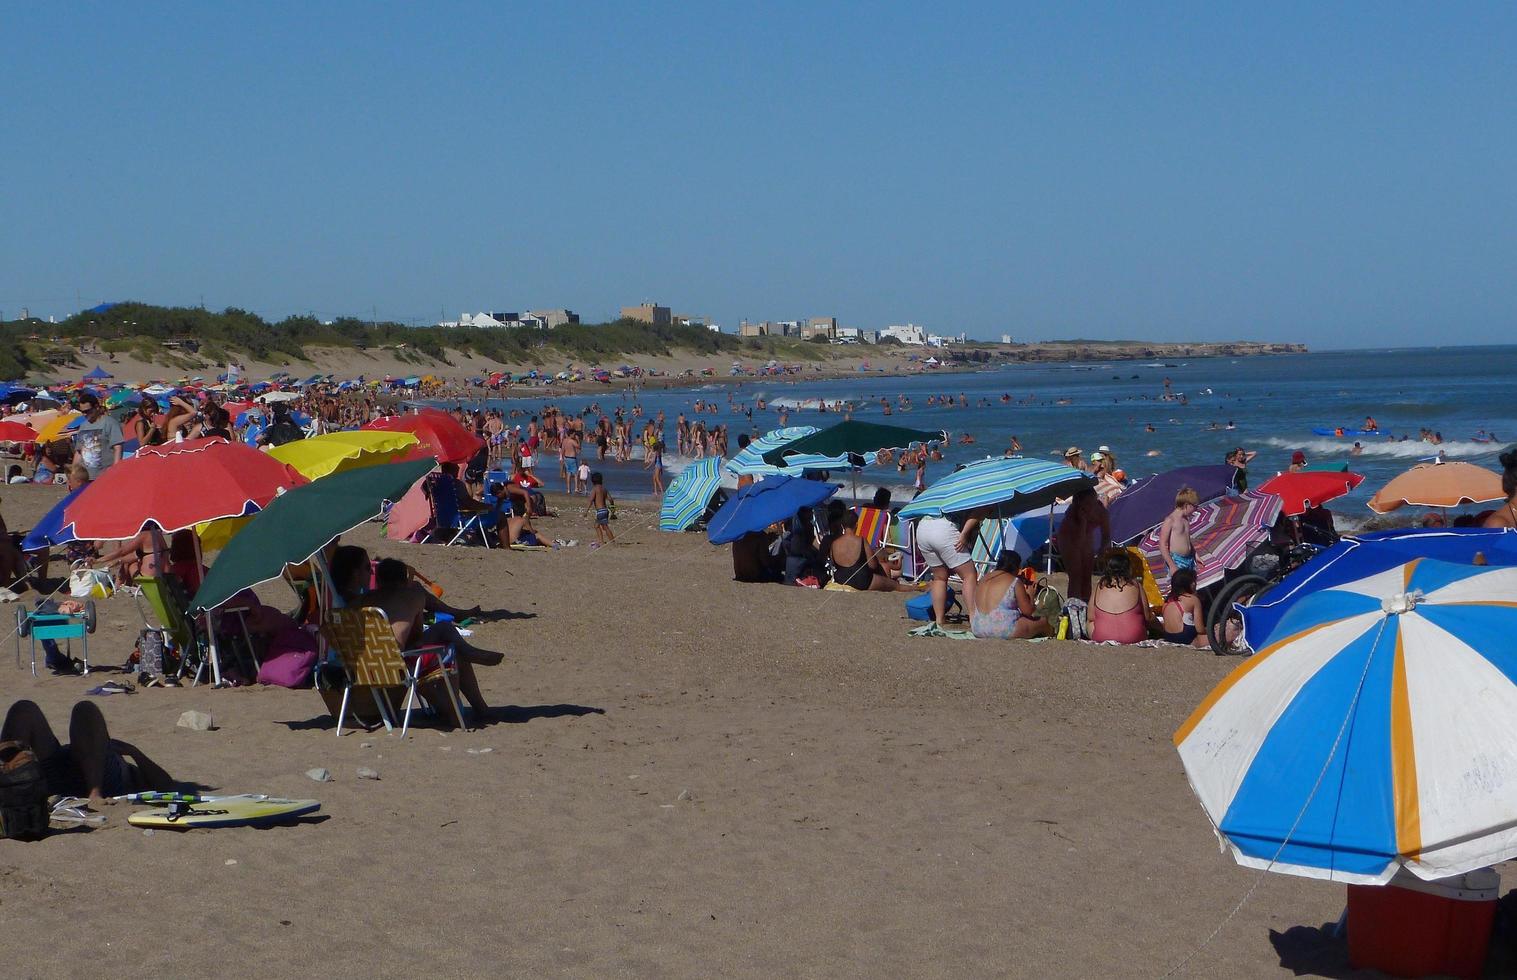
x=23, y=793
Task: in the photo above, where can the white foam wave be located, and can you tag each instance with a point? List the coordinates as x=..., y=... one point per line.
x=1385, y=448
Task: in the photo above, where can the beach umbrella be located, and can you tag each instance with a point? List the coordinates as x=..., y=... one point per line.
x=1371, y=732
x=1326, y=466
x=299, y=523
x=1145, y=504
x=689, y=494
x=750, y=460
x=177, y=486
x=124, y=396
x=837, y=444
x=334, y=452
x=440, y=434
x=1356, y=556
x=767, y=502
x=59, y=426
x=1300, y=492
x=1438, y=485
x=98, y=374
x=51, y=529
x=274, y=397
x=17, y=432
x=1222, y=532
x=1012, y=485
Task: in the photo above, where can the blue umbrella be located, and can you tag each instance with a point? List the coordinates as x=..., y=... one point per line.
x=750, y=461
x=1373, y=731
x=1365, y=554
x=755, y=507
x=51, y=530
x=687, y=497
x=99, y=374
x=1013, y=485
x=1145, y=504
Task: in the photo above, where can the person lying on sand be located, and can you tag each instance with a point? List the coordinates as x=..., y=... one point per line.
x=92, y=765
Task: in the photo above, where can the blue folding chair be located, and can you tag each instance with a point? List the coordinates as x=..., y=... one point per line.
x=447, y=519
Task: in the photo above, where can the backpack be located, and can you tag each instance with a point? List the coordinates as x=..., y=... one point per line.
x=1047, y=603
x=1079, y=623
x=23, y=793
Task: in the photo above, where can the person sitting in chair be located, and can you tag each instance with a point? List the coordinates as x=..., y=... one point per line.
x=92, y=765
x=405, y=603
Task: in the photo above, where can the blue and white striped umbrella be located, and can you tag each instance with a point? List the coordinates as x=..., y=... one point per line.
x=1375, y=729
x=1016, y=484
x=750, y=461
x=690, y=493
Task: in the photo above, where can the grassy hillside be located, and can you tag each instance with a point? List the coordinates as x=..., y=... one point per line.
x=143, y=330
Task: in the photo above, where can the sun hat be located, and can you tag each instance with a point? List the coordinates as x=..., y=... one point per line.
x=1097, y=456
x=1071, y=451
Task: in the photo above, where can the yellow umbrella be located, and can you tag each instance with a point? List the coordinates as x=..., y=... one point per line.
x=313, y=459
x=335, y=452
x=54, y=430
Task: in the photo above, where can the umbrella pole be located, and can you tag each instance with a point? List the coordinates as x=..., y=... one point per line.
x=210, y=621
x=1048, y=545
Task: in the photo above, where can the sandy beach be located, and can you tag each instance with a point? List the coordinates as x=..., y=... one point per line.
x=686, y=776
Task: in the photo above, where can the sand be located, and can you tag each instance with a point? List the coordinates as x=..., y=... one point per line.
x=688, y=777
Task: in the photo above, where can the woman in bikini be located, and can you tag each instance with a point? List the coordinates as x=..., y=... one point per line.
x=1506, y=514
x=1183, y=620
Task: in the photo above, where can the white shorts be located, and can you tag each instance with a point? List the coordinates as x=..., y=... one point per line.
x=938, y=539
x=526, y=462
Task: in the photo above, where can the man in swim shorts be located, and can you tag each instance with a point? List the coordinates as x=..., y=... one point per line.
x=1175, y=546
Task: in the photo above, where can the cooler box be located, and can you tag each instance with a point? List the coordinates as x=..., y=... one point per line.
x=1416, y=928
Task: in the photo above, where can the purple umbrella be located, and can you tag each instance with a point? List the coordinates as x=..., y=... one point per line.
x=1146, y=503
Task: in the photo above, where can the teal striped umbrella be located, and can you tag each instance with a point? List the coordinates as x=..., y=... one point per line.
x=750, y=461
x=687, y=497
x=1014, y=486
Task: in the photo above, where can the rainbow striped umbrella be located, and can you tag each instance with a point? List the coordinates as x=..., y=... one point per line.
x=690, y=493
x=1375, y=729
x=1223, y=532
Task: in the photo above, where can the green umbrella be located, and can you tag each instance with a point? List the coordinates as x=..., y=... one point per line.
x=300, y=522
x=849, y=439
x=1327, y=467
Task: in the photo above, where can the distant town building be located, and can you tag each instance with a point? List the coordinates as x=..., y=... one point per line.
x=819, y=326
x=1005, y=338
x=652, y=313
x=556, y=318
x=908, y=333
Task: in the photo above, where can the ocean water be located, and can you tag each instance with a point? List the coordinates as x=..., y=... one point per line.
x=1268, y=404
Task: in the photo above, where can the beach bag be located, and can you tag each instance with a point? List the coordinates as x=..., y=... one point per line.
x=89, y=583
x=919, y=607
x=23, y=793
x=150, y=653
x=1076, y=611
x=1047, y=603
x=291, y=659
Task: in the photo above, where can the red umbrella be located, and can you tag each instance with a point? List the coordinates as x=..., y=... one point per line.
x=1300, y=492
x=440, y=433
x=17, y=432
x=177, y=486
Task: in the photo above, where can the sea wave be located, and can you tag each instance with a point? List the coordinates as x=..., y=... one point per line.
x=1386, y=449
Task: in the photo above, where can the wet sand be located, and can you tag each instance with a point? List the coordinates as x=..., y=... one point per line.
x=686, y=776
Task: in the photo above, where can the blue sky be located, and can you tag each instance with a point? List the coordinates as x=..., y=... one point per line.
x=1340, y=174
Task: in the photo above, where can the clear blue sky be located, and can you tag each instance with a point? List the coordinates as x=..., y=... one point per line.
x=1336, y=173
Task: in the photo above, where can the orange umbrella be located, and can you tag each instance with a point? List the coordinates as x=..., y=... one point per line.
x=1439, y=485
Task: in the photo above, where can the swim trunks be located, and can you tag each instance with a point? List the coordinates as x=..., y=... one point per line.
x=1184, y=561
x=603, y=516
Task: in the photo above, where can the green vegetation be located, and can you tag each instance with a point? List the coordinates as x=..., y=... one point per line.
x=188, y=336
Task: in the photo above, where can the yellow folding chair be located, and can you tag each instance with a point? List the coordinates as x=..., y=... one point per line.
x=372, y=660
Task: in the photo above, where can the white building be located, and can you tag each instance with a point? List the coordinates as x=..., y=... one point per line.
x=908, y=334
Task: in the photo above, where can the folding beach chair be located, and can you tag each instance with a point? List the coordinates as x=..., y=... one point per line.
x=989, y=542
x=169, y=601
x=373, y=661
x=449, y=522
x=874, y=527
x=904, y=542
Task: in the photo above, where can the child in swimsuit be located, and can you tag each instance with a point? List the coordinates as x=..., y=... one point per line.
x=1174, y=536
x=600, y=502
x=1183, y=621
